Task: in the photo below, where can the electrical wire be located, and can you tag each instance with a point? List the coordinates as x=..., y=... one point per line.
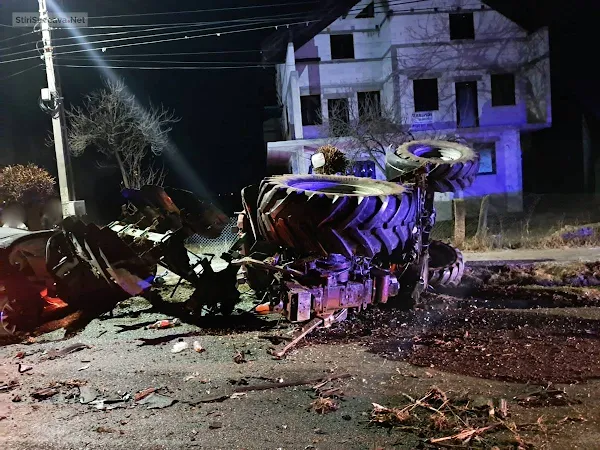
x=98, y=66
x=264, y=19
x=239, y=8
x=267, y=18
x=166, y=40
x=232, y=8
x=158, y=41
x=218, y=52
x=55, y=39
x=20, y=72
x=16, y=37
x=137, y=61
x=216, y=33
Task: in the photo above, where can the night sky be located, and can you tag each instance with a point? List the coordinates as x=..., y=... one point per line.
x=219, y=138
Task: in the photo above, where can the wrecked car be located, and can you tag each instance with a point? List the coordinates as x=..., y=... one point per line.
x=310, y=246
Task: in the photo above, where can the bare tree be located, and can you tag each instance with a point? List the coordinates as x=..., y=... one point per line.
x=128, y=135
x=370, y=127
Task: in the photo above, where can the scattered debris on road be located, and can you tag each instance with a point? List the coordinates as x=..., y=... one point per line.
x=24, y=368
x=178, y=347
x=162, y=324
x=87, y=394
x=547, y=397
x=198, y=347
x=66, y=351
x=45, y=393
x=456, y=421
x=155, y=400
x=164, y=339
x=239, y=358
x=324, y=405
x=8, y=386
x=143, y=394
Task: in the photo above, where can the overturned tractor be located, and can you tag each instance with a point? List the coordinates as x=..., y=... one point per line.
x=311, y=247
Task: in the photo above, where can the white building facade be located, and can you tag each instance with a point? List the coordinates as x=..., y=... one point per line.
x=445, y=67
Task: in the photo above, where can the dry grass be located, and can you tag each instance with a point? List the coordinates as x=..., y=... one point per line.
x=553, y=222
x=450, y=421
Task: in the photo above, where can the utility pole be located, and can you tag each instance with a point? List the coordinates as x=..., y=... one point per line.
x=66, y=194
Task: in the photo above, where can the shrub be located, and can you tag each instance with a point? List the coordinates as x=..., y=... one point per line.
x=25, y=184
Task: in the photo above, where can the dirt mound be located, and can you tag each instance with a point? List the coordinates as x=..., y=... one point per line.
x=505, y=345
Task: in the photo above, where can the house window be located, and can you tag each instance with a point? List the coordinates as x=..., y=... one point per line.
x=462, y=26
x=342, y=46
x=368, y=12
x=311, y=109
x=369, y=104
x=503, y=89
x=487, y=157
x=339, y=116
x=426, y=94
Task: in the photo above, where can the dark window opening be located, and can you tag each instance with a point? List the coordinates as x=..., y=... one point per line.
x=462, y=26
x=368, y=12
x=369, y=105
x=311, y=109
x=342, y=46
x=487, y=158
x=467, y=110
x=503, y=89
x=339, y=116
x=426, y=94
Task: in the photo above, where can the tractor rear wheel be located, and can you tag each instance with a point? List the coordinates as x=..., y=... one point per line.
x=324, y=214
x=450, y=166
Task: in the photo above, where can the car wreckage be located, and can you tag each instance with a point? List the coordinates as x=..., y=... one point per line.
x=311, y=247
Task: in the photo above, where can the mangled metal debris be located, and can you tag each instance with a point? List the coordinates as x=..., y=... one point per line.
x=312, y=246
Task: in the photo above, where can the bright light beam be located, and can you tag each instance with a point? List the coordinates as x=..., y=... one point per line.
x=175, y=160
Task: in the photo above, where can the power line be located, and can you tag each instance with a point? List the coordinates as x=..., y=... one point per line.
x=158, y=41
x=239, y=8
x=216, y=33
x=16, y=37
x=232, y=8
x=20, y=59
x=90, y=66
x=218, y=52
x=266, y=19
x=172, y=39
x=137, y=61
x=250, y=20
x=189, y=24
x=20, y=72
x=170, y=24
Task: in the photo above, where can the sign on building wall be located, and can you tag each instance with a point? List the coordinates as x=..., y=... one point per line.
x=421, y=120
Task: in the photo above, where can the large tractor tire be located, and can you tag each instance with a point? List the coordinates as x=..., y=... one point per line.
x=446, y=265
x=323, y=214
x=451, y=166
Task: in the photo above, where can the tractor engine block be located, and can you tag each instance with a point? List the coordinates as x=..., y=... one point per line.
x=332, y=284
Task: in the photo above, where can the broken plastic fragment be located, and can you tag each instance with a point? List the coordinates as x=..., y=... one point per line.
x=198, y=347
x=179, y=347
